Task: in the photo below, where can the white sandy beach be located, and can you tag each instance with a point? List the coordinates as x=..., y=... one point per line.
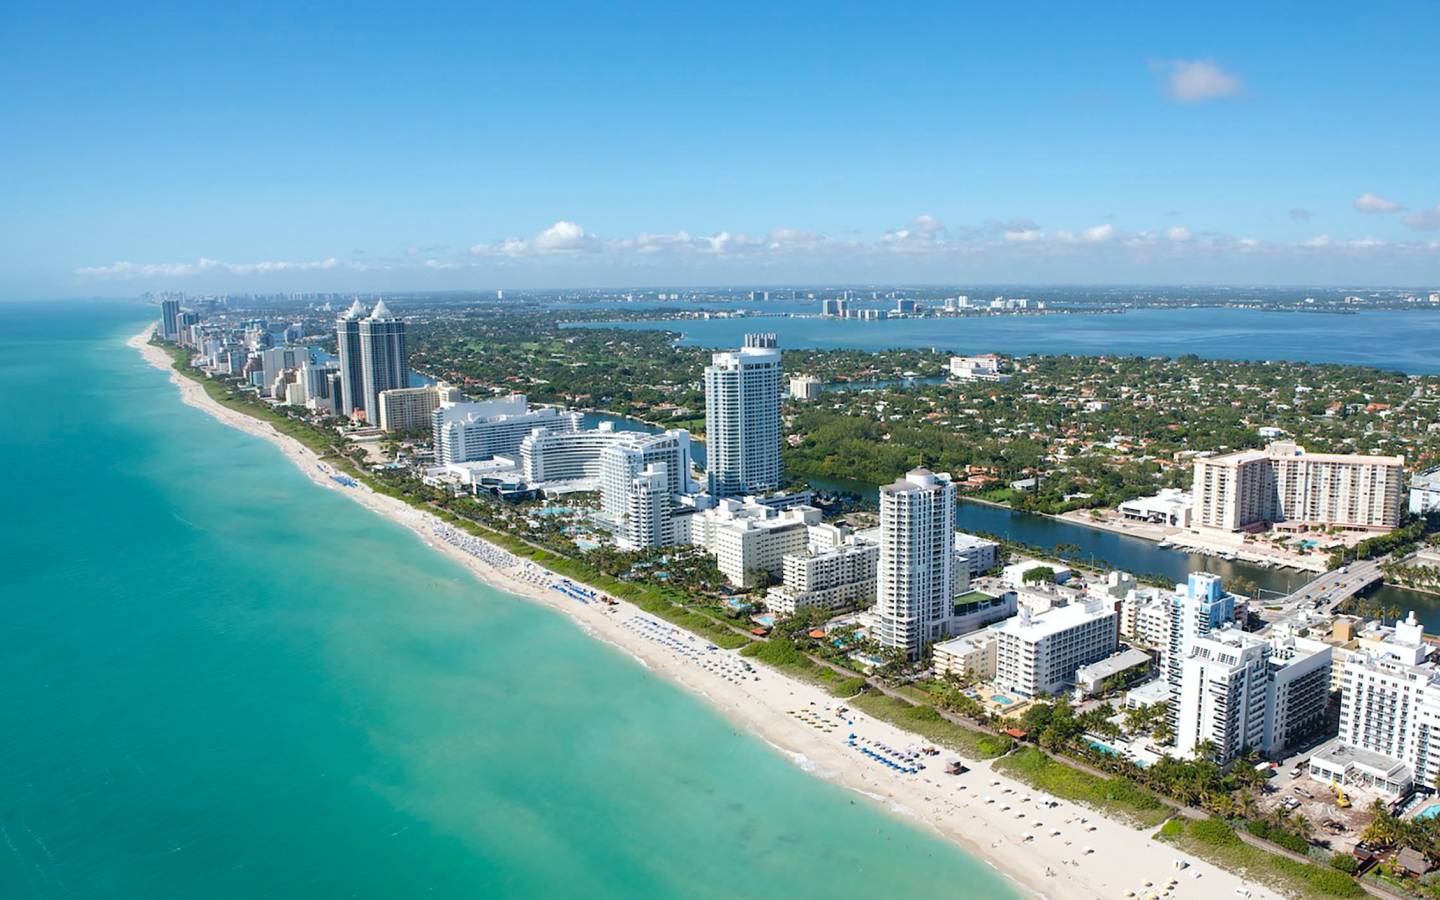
x=1060, y=851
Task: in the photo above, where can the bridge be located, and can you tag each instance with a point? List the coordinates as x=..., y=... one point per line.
x=1332, y=589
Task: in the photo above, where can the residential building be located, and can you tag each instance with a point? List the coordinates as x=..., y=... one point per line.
x=1425, y=492
x=748, y=538
x=352, y=372
x=1171, y=507
x=465, y=432
x=1039, y=654
x=805, y=388
x=169, y=319
x=642, y=479
x=1242, y=692
x=1389, y=736
x=742, y=418
x=916, y=581
x=985, y=367
x=975, y=555
x=833, y=578
x=973, y=655
x=413, y=409
x=274, y=362
x=384, y=358
x=974, y=610
x=1282, y=483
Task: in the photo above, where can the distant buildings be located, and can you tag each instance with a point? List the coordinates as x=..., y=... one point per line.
x=170, y=319
x=916, y=582
x=384, y=358
x=464, y=432
x=1039, y=654
x=1283, y=483
x=805, y=388
x=1242, y=692
x=742, y=418
x=985, y=367
x=413, y=409
x=352, y=373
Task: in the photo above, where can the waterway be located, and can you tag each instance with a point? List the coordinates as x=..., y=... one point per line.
x=1402, y=340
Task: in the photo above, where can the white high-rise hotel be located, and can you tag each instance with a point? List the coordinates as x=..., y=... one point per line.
x=742, y=418
x=916, y=579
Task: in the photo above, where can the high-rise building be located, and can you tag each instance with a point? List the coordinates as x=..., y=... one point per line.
x=384, y=359
x=622, y=460
x=742, y=418
x=748, y=538
x=1283, y=483
x=805, y=387
x=1242, y=692
x=412, y=409
x=1389, y=714
x=915, y=593
x=647, y=519
x=169, y=319
x=1039, y=653
x=466, y=432
x=352, y=373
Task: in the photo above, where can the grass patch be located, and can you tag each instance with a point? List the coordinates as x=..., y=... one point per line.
x=927, y=722
x=1215, y=841
x=1116, y=797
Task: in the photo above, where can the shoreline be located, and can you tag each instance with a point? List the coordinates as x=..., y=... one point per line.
x=1076, y=853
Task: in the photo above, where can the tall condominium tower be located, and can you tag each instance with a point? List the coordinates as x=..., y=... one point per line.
x=742, y=418
x=169, y=319
x=352, y=378
x=384, y=362
x=916, y=583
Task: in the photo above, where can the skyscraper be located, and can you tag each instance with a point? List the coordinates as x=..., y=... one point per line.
x=347, y=340
x=169, y=319
x=742, y=418
x=916, y=584
x=384, y=362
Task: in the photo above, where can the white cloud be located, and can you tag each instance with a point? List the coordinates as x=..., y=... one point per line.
x=1025, y=236
x=1098, y=233
x=1369, y=202
x=1425, y=219
x=1178, y=233
x=1198, y=80
x=125, y=269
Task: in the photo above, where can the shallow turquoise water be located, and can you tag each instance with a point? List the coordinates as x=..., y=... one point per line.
x=218, y=681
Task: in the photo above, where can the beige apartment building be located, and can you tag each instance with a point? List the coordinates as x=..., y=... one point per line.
x=411, y=409
x=1283, y=483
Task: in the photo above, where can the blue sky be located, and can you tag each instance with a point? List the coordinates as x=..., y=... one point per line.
x=375, y=147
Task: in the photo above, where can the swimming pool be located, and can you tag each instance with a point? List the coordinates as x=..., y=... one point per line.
x=1429, y=812
x=1001, y=699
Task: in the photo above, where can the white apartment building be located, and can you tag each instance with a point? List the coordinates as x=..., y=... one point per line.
x=413, y=409
x=1283, y=483
x=464, y=432
x=834, y=578
x=985, y=367
x=805, y=388
x=742, y=418
x=629, y=469
x=1425, y=492
x=1389, y=735
x=975, y=555
x=1243, y=692
x=747, y=537
x=916, y=580
x=1039, y=654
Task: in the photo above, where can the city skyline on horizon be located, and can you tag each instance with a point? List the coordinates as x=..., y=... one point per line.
x=560, y=149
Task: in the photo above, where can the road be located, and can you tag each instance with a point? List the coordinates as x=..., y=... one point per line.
x=1335, y=587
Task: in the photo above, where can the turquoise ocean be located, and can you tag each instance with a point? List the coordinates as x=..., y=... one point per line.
x=218, y=680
